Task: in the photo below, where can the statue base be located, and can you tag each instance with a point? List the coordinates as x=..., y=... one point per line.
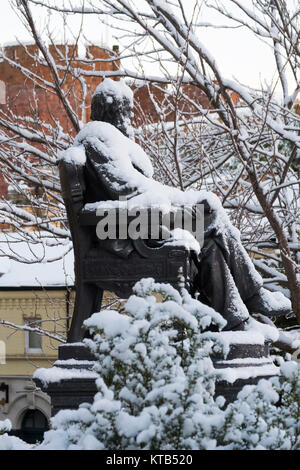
x=71, y=380
x=245, y=364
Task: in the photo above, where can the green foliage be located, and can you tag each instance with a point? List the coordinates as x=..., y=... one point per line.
x=5, y=426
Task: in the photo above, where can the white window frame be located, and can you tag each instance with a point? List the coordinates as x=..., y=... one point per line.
x=2, y=92
x=27, y=333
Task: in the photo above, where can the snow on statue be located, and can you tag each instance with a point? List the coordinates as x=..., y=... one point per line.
x=116, y=166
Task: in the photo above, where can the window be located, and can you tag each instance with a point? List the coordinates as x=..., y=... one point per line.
x=2, y=353
x=2, y=92
x=33, y=341
x=34, y=424
x=34, y=419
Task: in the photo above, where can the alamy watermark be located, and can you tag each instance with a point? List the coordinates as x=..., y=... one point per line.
x=150, y=223
x=2, y=352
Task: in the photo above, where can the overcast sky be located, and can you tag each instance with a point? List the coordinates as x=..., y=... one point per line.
x=237, y=54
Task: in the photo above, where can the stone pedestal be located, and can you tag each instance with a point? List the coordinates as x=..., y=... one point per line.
x=71, y=380
x=245, y=364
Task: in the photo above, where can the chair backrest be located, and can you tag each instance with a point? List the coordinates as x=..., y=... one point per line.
x=72, y=181
x=73, y=190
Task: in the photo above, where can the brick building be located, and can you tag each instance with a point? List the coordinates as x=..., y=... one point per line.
x=22, y=97
x=146, y=96
x=19, y=94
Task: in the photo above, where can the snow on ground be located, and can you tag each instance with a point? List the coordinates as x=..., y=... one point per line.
x=13, y=443
x=10, y=442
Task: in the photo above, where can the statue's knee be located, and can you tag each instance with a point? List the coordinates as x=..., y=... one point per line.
x=210, y=246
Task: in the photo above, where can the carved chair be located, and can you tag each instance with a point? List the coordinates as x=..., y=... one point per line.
x=97, y=269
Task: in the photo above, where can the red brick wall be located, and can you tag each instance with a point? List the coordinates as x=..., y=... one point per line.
x=3, y=187
x=21, y=93
x=20, y=90
x=146, y=110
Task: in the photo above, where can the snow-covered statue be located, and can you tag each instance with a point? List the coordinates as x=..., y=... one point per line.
x=116, y=166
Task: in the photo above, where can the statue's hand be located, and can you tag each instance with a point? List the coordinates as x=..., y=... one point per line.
x=207, y=207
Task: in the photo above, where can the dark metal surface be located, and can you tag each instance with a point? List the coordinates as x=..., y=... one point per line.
x=97, y=268
x=79, y=352
x=69, y=394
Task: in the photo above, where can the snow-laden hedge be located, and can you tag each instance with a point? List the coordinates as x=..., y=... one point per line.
x=156, y=385
x=10, y=442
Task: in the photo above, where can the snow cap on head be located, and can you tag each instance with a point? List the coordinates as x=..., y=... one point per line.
x=113, y=102
x=114, y=90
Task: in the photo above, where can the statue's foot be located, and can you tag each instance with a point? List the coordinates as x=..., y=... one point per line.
x=242, y=326
x=270, y=304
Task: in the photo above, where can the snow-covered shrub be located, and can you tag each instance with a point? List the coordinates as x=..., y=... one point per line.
x=156, y=386
x=265, y=416
x=5, y=426
x=10, y=442
x=156, y=378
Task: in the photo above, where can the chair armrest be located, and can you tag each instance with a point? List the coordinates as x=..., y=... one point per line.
x=88, y=218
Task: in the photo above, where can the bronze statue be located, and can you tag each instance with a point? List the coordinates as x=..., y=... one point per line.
x=225, y=278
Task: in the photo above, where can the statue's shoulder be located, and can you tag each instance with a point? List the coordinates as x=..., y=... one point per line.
x=107, y=141
x=100, y=136
x=100, y=130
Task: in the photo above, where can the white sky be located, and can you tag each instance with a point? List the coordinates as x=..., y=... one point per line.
x=237, y=53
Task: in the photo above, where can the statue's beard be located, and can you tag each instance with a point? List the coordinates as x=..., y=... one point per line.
x=115, y=112
x=121, y=121
x=124, y=126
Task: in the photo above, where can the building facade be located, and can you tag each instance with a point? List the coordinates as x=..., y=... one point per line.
x=32, y=297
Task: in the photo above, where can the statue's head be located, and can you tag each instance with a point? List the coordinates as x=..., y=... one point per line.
x=112, y=102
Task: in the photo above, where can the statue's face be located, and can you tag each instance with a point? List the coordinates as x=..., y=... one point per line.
x=111, y=109
x=123, y=109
